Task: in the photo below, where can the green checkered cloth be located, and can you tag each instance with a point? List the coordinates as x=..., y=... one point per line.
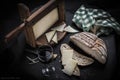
x=86, y=18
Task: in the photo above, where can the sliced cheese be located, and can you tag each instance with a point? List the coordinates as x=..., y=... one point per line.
x=50, y=35
x=76, y=71
x=70, y=67
x=59, y=28
x=67, y=56
x=55, y=38
x=70, y=29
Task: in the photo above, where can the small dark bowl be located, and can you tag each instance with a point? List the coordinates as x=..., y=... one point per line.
x=45, y=53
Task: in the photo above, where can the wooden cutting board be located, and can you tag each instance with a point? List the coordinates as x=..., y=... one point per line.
x=43, y=40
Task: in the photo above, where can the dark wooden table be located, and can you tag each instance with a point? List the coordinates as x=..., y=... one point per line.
x=15, y=64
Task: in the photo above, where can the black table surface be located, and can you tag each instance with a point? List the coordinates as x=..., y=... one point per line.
x=15, y=65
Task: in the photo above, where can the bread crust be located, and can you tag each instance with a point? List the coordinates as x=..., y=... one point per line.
x=91, y=44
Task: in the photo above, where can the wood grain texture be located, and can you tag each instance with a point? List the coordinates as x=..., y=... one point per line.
x=29, y=23
x=39, y=37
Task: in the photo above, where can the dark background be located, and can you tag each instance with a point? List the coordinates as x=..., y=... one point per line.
x=11, y=55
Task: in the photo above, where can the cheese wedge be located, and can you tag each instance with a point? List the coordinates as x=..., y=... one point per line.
x=59, y=28
x=76, y=72
x=50, y=35
x=70, y=67
x=67, y=56
x=70, y=29
x=55, y=38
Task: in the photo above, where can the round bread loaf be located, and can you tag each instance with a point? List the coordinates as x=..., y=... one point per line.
x=91, y=44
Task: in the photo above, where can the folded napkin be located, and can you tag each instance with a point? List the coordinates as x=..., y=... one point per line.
x=95, y=20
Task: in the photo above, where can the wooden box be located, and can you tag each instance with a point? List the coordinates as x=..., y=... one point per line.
x=39, y=22
x=49, y=15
